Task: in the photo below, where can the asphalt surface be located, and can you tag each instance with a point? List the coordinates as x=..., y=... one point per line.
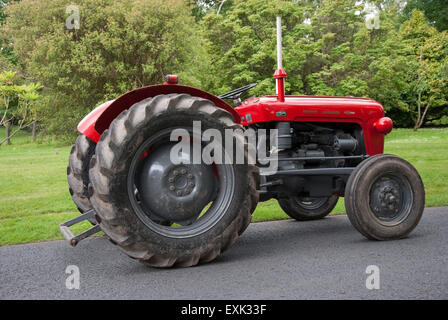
x=324, y=259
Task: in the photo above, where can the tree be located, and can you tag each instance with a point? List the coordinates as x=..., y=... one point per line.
x=329, y=50
x=330, y=67
x=202, y=7
x=6, y=52
x=120, y=45
x=17, y=105
x=9, y=102
x=436, y=11
x=242, y=45
x=428, y=66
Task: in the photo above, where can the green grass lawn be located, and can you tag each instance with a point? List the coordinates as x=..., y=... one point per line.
x=34, y=195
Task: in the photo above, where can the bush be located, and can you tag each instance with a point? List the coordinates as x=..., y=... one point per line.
x=120, y=45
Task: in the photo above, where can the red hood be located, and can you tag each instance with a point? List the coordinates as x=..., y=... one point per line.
x=306, y=101
x=295, y=108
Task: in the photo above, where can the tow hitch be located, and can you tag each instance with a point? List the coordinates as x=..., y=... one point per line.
x=68, y=234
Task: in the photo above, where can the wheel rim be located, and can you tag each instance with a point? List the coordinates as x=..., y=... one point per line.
x=311, y=203
x=391, y=199
x=177, y=201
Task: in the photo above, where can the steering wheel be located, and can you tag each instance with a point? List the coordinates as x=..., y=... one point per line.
x=236, y=94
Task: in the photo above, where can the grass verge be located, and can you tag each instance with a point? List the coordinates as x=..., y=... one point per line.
x=34, y=196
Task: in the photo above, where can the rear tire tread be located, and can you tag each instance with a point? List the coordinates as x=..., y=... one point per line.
x=121, y=234
x=78, y=172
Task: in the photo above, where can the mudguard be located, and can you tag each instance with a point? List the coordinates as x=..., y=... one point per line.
x=97, y=121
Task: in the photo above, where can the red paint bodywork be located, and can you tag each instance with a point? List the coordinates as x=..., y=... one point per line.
x=384, y=125
x=280, y=77
x=362, y=111
x=94, y=124
x=87, y=125
x=367, y=113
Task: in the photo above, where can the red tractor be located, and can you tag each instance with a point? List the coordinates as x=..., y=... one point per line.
x=168, y=213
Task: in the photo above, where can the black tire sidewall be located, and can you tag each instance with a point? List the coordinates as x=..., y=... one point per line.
x=359, y=199
x=133, y=226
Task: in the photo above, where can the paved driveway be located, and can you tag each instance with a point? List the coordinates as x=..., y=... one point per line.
x=324, y=259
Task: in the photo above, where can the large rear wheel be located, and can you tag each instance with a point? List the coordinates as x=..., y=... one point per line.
x=161, y=212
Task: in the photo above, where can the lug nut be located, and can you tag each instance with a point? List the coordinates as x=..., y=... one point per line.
x=172, y=188
x=175, y=173
x=190, y=176
x=191, y=184
x=183, y=171
x=171, y=180
x=179, y=193
x=187, y=191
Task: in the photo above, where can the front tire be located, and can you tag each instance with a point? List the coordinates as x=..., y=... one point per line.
x=307, y=209
x=385, y=198
x=152, y=209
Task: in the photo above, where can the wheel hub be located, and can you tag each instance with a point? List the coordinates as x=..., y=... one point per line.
x=311, y=203
x=175, y=192
x=389, y=198
x=181, y=181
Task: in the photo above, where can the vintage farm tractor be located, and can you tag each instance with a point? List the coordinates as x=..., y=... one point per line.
x=166, y=213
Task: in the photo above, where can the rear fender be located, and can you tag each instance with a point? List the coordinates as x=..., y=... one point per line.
x=97, y=121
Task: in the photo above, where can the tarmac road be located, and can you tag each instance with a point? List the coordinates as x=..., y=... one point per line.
x=324, y=259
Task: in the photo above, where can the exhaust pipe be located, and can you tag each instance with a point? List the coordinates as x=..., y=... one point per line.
x=279, y=44
x=280, y=74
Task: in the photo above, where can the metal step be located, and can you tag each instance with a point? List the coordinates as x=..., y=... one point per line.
x=75, y=239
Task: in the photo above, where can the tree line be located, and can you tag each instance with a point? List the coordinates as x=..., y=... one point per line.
x=392, y=51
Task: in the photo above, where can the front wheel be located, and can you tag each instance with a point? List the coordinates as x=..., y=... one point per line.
x=306, y=209
x=385, y=198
